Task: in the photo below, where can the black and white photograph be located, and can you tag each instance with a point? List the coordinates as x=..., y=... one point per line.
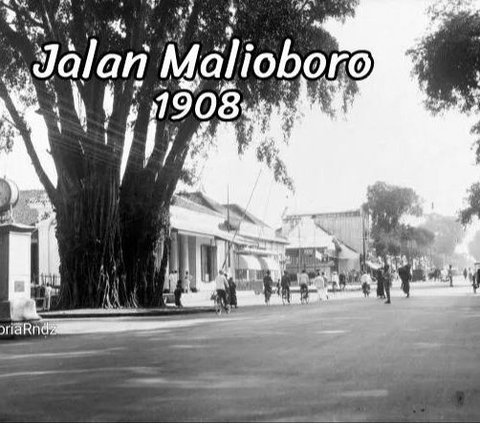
x=239, y=210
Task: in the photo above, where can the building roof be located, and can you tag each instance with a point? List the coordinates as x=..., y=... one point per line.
x=304, y=233
x=234, y=211
x=355, y=212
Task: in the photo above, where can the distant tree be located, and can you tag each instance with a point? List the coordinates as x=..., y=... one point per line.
x=415, y=241
x=387, y=205
x=112, y=227
x=448, y=234
x=474, y=246
x=447, y=66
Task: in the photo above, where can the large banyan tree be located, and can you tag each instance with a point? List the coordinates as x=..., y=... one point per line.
x=111, y=201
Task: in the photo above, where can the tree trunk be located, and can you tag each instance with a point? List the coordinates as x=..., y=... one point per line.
x=91, y=260
x=145, y=231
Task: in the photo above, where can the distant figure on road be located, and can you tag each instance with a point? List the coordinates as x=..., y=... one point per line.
x=286, y=285
x=233, y=292
x=303, y=281
x=319, y=282
x=476, y=280
x=335, y=281
x=366, y=281
x=343, y=281
x=221, y=285
x=405, y=276
x=178, y=294
x=450, y=274
x=387, y=281
x=267, y=287
x=465, y=273
x=380, y=285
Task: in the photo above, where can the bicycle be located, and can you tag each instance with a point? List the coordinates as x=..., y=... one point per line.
x=219, y=306
x=285, y=296
x=303, y=295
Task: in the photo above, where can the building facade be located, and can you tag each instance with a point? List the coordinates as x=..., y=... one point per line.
x=205, y=237
x=326, y=242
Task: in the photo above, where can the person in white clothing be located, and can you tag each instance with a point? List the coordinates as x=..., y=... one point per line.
x=221, y=285
x=186, y=282
x=172, y=281
x=319, y=282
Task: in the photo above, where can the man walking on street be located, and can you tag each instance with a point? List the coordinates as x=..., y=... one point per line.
x=450, y=275
x=286, y=285
x=387, y=281
x=405, y=276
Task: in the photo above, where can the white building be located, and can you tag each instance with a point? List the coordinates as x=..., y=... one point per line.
x=205, y=237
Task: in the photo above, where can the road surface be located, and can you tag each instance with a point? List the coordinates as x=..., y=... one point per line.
x=359, y=359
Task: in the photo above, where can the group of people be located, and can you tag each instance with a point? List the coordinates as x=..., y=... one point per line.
x=384, y=277
x=283, y=285
x=226, y=289
x=175, y=281
x=473, y=277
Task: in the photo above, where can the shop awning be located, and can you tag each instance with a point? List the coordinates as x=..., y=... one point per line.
x=248, y=262
x=269, y=263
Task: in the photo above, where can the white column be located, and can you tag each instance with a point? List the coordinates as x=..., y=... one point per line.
x=183, y=258
x=173, y=262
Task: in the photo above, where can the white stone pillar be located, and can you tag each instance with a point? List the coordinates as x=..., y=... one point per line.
x=183, y=258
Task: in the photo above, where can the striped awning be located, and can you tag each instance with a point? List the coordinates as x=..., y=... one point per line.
x=248, y=262
x=269, y=263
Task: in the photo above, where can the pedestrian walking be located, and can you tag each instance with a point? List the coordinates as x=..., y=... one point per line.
x=380, y=285
x=450, y=274
x=387, y=282
x=320, y=285
x=405, y=276
x=465, y=273
x=285, y=282
x=342, y=281
x=267, y=287
x=171, y=282
x=474, y=283
x=233, y=292
x=178, y=294
x=186, y=282
x=335, y=281
x=48, y=297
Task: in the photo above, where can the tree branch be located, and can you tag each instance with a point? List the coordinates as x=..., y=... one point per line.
x=22, y=127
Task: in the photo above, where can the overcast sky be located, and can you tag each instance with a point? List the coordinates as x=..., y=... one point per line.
x=387, y=135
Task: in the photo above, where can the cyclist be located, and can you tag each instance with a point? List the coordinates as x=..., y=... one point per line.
x=221, y=285
x=286, y=286
x=267, y=287
x=303, y=281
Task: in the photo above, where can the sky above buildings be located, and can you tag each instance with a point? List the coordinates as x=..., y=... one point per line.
x=387, y=135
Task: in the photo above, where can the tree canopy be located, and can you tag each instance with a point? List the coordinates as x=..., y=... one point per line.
x=447, y=66
x=112, y=228
x=474, y=246
x=448, y=234
x=387, y=205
